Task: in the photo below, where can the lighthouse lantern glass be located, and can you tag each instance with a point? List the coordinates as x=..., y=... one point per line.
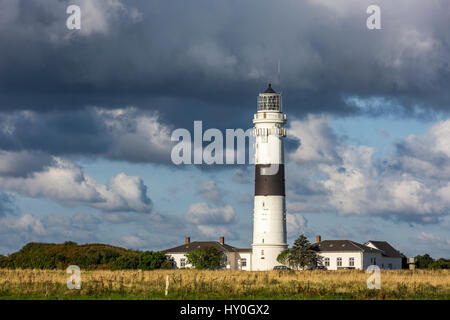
x=269, y=102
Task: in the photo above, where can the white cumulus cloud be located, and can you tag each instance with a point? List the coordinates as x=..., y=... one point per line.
x=65, y=182
x=201, y=213
x=412, y=183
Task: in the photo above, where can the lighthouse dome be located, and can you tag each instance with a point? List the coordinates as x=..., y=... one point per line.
x=269, y=89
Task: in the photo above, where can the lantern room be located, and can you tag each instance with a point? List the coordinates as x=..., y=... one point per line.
x=269, y=100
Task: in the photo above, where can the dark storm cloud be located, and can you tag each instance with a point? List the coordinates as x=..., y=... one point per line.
x=55, y=132
x=23, y=163
x=28, y=139
x=202, y=59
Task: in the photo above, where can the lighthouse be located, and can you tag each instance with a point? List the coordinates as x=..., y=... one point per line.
x=269, y=215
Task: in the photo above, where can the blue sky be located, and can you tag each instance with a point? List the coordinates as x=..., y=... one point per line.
x=86, y=117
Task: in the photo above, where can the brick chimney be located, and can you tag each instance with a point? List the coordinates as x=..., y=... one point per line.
x=188, y=240
x=318, y=239
x=222, y=240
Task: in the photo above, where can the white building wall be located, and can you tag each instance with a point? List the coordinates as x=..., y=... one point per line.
x=372, y=259
x=268, y=145
x=248, y=261
x=176, y=258
x=264, y=257
x=345, y=256
x=391, y=263
x=362, y=260
x=269, y=221
x=387, y=262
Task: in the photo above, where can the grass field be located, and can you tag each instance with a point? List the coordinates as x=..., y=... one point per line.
x=196, y=284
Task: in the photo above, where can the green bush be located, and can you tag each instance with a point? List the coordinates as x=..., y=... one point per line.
x=301, y=254
x=427, y=262
x=126, y=261
x=150, y=260
x=440, y=264
x=167, y=264
x=3, y=261
x=206, y=258
x=60, y=256
x=422, y=262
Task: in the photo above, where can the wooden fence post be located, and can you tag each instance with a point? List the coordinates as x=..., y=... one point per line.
x=167, y=285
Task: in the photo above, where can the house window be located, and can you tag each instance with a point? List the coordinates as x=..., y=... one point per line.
x=351, y=262
x=182, y=262
x=243, y=262
x=339, y=262
x=327, y=262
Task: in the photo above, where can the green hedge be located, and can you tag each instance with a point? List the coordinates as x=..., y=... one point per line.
x=87, y=256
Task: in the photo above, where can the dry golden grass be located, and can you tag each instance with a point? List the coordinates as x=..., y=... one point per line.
x=200, y=284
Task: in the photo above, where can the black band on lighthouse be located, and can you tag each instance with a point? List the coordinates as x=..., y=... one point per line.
x=268, y=184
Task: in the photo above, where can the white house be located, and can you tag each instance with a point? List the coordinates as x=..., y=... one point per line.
x=391, y=258
x=347, y=254
x=235, y=258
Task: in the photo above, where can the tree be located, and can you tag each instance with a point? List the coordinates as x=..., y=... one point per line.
x=126, y=261
x=422, y=262
x=167, y=264
x=205, y=258
x=301, y=254
x=440, y=263
x=150, y=260
x=283, y=256
x=3, y=261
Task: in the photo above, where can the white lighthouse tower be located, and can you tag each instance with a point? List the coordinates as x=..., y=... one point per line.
x=269, y=216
